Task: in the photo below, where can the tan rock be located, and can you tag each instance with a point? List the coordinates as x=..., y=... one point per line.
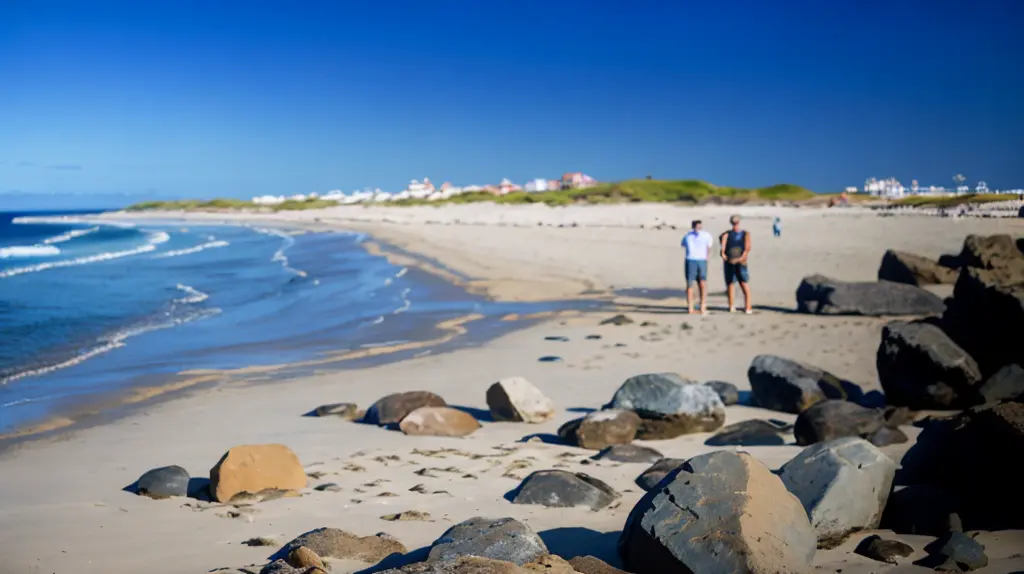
x=462, y=565
x=515, y=399
x=601, y=429
x=253, y=468
x=302, y=557
x=551, y=564
x=592, y=565
x=335, y=543
x=438, y=421
x=393, y=408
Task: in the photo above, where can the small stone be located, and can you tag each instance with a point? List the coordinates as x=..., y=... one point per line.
x=628, y=453
x=832, y=419
x=393, y=408
x=617, y=320
x=593, y=337
x=877, y=548
x=408, y=515
x=558, y=488
x=886, y=436
x=164, y=482
x=601, y=429
x=728, y=392
x=438, y=421
x=328, y=487
x=347, y=411
x=752, y=432
x=515, y=399
x=550, y=359
x=649, y=478
x=558, y=339
x=967, y=553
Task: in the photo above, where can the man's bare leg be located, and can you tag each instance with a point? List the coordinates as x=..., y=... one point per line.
x=746, y=297
x=729, y=289
x=689, y=299
x=703, y=296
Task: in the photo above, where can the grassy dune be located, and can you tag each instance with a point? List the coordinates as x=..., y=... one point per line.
x=950, y=200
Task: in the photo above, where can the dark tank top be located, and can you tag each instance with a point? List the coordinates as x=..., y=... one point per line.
x=734, y=243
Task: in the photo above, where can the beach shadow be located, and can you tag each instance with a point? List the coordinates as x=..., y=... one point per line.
x=311, y=413
x=571, y=542
x=546, y=438
x=482, y=415
x=398, y=561
x=584, y=410
x=777, y=309
x=746, y=399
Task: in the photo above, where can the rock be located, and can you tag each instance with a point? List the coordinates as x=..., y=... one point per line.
x=617, y=320
x=550, y=564
x=832, y=419
x=335, y=543
x=921, y=509
x=347, y=411
x=669, y=406
x=282, y=566
x=164, y=482
x=393, y=408
x=561, y=489
x=557, y=338
x=460, y=565
x=438, y=421
x=628, y=453
x=498, y=539
x=843, y=484
x=515, y=399
x=957, y=548
x=919, y=366
x=302, y=557
x=896, y=417
x=253, y=468
x=788, y=386
x=407, y=516
x=550, y=359
x=752, y=432
x=902, y=267
x=877, y=548
x=721, y=512
x=601, y=429
x=968, y=455
x=825, y=296
x=728, y=392
x=1006, y=383
x=650, y=478
x=886, y=436
x=592, y=565
x=990, y=252
x=982, y=299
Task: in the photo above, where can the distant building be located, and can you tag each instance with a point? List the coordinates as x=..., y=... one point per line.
x=575, y=180
x=554, y=184
x=536, y=185
x=851, y=189
x=506, y=187
x=417, y=190
x=890, y=187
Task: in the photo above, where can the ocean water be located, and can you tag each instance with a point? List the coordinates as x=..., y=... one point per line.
x=90, y=308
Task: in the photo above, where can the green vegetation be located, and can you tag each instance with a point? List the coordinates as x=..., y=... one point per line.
x=949, y=200
x=630, y=191
x=634, y=191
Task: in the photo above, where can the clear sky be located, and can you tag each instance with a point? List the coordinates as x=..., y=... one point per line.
x=246, y=97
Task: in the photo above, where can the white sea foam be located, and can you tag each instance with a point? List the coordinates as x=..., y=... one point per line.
x=28, y=251
x=190, y=250
x=406, y=303
x=401, y=273
x=279, y=255
x=110, y=343
x=194, y=295
x=154, y=239
x=69, y=235
x=64, y=220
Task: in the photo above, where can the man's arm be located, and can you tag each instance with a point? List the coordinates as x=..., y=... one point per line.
x=746, y=247
x=721, y=239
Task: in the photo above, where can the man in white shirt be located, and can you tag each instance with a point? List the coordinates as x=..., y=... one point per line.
x=698, y=248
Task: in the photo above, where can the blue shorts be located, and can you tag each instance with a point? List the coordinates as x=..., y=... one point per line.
x=696, y=270
x=736, y=272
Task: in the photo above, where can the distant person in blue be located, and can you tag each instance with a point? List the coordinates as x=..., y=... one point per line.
x=777, y=227
x=735, y=249
x=698, y=248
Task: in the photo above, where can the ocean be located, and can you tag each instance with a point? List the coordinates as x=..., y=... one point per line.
x=92, y=308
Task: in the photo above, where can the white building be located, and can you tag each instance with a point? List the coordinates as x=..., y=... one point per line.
x=268, y=200
x=417, y=190
x=890, y=187
x=536, y=185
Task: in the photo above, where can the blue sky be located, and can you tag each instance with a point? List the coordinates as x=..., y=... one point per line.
x=238, y=98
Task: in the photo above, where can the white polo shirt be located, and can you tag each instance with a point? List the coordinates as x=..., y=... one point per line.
x=697, y=244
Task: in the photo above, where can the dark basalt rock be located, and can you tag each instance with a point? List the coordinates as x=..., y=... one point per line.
x=561, y=489
x=390, y=410
x=164, y=482
x=822, y=295
x=832, y=419
x=920, y=367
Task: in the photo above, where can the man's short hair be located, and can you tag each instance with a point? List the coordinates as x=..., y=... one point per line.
x=734, y=219
x=694, y=224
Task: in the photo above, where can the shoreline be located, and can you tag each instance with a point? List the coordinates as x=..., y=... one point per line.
x=379, y=472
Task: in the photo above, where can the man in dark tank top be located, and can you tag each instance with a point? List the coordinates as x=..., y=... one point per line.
x=735, y=249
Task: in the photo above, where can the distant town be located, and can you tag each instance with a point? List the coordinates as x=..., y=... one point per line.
x=892, y=188
x=425, y=190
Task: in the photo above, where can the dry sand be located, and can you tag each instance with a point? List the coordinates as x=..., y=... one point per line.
x=62, y=509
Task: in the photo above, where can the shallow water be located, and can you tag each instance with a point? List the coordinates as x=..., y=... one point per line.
x=90, y=307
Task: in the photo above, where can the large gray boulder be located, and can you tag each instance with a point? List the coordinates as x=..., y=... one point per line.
x=390, y=410
x=789, y=386
x=499, y=539
x=669, y=406
x=987, y=305
x=843, y=485
x=563, y=489
x=1006, y=383
x=902, y=267
x=920, y=367
x=833, y=419
x=164, y=482
x=822, y=295
x=719, y=513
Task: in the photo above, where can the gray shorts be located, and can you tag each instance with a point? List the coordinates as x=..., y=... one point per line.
x=696, y=270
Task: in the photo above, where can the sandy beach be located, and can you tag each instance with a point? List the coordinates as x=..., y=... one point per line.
x=63, y=508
